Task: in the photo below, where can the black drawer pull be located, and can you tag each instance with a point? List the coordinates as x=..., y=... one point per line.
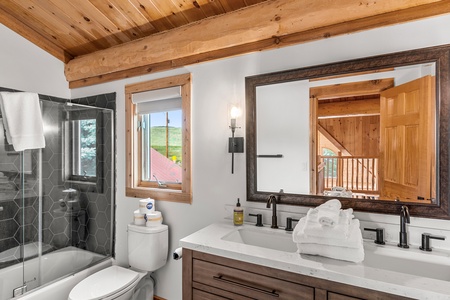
x=270, y=293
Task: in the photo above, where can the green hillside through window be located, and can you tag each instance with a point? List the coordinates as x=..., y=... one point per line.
x=158, y=142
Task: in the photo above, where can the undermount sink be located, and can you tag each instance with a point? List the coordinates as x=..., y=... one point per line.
x=411, y=261
x=263, y=237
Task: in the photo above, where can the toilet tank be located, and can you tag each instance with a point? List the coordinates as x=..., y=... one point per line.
x=148, y=246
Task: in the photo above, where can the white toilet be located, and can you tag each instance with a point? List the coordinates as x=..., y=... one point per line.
x=147, y=252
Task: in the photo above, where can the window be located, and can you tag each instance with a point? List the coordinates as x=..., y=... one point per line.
x=331, y=163
x=161, y=147
x=84, y=148
x=158, y=139
x=84, y=130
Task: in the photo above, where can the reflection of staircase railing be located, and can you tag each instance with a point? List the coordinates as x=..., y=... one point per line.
x=356, y=173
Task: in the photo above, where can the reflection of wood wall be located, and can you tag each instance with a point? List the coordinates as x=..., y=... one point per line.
x=359, y=135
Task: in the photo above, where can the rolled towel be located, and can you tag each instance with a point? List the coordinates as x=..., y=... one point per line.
x=314, y=228
x=345, y=215
x=353, y=240
x=328, y=212
x=333, y=204
x=328, y=217
x=342, y=253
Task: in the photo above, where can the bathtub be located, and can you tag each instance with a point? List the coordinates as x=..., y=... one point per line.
x=61, y=270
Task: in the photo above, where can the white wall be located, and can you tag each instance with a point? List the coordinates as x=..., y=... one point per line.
x=217, y=83
x=26, y=67
x=282, y=118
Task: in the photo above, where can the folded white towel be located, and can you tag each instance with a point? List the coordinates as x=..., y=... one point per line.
x=22, y=120
x=342, y=253
x=346, y=215
x=353, y=240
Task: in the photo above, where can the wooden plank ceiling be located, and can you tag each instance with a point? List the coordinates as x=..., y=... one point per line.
x=79, y=27
x=105, y=40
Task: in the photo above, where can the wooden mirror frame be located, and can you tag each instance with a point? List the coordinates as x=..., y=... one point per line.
x=440, y=55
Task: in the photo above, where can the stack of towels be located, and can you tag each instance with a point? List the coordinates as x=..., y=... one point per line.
x=330, y=231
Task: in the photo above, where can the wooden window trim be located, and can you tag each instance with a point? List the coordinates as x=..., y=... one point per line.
x=134, y=188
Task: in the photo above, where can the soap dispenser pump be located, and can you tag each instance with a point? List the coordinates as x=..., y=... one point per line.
x=238, y=214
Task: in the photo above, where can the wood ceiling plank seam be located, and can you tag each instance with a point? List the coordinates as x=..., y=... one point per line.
x=33, y=36
x=93, y=17
x=87, y=25
x=225, y=5
x=179, y=12
x=135, y=16
x=116, y=17
x=192, y=12
x=167, y=9
x=210, y=8
x=156, y=16
x=146, y=14
x=27, y=15
x=235, y=4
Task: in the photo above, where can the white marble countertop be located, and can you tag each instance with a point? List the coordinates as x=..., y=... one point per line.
x=209, y=240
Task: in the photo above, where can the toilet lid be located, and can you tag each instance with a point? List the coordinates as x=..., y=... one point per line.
x=103, y=283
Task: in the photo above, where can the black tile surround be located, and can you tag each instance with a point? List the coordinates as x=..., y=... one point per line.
x=91, y=228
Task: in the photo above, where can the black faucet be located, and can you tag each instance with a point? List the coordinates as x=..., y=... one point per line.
x=426, y=241
x=404, y=218
x=273, y=200
x=379, y=235
x=289, y=221
x=259, y=222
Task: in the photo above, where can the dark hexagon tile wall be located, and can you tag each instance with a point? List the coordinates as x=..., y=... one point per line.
x=90, y=229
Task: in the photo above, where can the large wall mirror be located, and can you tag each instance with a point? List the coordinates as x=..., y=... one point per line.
x=372, y=132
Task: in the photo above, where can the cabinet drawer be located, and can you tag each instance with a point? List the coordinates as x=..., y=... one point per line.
x=334, y=296
x=201, y=295
x=247, y=283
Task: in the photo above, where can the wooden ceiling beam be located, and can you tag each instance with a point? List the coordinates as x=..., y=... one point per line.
x=352, y=89
x=264, y=26
x=343, y=109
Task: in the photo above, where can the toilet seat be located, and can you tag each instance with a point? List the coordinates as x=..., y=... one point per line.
x=104, y=283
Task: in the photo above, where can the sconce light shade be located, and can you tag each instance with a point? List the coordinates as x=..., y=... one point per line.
x=235, y=144
x=235, y=113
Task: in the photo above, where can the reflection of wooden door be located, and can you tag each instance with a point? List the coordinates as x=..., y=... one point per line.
x=407, y=141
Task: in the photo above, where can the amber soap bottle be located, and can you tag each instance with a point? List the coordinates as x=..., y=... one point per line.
x=238, y=214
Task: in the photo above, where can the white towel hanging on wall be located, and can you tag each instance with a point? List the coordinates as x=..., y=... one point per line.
x=22, y=119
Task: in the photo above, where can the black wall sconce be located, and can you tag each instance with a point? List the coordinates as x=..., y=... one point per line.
x=235, y=144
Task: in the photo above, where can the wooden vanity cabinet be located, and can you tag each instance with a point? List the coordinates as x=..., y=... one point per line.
x=211, y=277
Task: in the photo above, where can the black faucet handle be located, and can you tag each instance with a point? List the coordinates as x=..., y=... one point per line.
x=258, y=219
x=426, y=241
x=379, y=235
x=289, y=221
